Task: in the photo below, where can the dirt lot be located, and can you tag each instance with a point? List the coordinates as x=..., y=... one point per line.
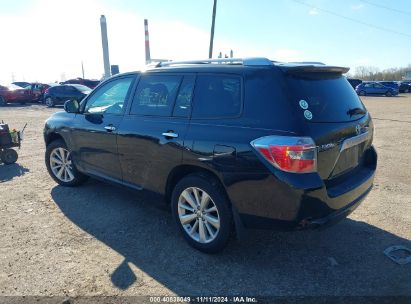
x=104, y=240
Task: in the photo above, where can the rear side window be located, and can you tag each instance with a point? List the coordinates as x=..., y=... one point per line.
x=324, y=97
x=70, y=89
x=182, y=107
x=217, y=96
x=56, y=90
x=155, y=95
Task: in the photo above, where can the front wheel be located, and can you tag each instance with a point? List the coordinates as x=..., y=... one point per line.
x=388, y=94
x=49, y=102
x=60, y=165
x=362, y=93
x=202, y=212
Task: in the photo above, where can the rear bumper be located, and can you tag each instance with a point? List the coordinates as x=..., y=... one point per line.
x=336, y=216
x=281, y=205
x=258, y=222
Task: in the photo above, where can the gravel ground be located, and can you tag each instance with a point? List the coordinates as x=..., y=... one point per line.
x=104, y=240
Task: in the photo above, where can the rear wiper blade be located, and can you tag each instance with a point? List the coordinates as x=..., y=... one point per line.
x=356, y=111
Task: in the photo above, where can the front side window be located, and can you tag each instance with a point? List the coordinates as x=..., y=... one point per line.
x=217, y=96
x=155, y=95
x=110, y=98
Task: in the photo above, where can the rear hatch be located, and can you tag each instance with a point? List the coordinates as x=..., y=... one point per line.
x=332, y=114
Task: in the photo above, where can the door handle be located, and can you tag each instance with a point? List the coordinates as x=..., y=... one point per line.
x=110, y=128
x=170, y=134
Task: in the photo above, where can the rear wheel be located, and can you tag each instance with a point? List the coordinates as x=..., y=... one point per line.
x=60, y=165
x=2, y=101
x=49, y=102
x=202, y=212
x=9, y=156
x=388, y=94
x=362, y=93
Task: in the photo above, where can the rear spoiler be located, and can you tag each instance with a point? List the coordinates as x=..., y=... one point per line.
x=313, y=68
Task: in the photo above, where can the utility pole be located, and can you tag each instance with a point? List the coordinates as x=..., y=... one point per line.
x=82, y=68
x=210, y=52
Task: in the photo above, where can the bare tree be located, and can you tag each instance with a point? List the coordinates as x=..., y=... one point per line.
x=374, y=73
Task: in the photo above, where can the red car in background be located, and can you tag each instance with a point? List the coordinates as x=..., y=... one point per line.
x=36, y=90
x=14, y=94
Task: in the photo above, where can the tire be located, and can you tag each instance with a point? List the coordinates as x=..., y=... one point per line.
x=216, y=224
x=60, y=166
x=406, y=91
x=9, y=156
x=49, y=102
x=362, y=93
x=388, y=94
x=2, y=102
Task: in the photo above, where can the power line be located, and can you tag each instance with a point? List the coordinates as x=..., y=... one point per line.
x=353, y=19
x=386, y=7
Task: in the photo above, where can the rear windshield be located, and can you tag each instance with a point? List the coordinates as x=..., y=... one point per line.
x=82, y=88
x=324, y=97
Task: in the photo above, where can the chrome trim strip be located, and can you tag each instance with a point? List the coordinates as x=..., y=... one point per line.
x=353, y=141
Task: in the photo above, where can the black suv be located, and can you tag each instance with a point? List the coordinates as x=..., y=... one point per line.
x=230, y=143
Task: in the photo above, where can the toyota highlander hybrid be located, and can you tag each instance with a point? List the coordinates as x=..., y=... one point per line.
x=229, y=143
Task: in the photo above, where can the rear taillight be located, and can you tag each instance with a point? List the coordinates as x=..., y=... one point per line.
x=290, y=154
x=46, y=90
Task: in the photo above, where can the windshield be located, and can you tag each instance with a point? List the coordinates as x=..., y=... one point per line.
x=324, y=97
x=82, y=88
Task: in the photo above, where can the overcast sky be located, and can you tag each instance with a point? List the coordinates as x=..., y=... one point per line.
x=46, y=40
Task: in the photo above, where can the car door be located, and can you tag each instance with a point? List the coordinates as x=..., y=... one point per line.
x=74, y=93
x=94, y=131
x=70, y=93
x=379, y=89
x=151, y=136
x=60, y=95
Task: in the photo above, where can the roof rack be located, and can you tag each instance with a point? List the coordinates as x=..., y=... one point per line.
x=252, y=61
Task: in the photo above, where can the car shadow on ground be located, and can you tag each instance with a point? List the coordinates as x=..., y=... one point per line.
x=8, y=172
x=20, y=105
x=346, y=259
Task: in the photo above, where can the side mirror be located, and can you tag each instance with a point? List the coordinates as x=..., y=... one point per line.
x=72, y=106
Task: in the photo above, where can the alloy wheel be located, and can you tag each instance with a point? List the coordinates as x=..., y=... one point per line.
x=61, y=165
x=49, y=102
x=198, y=215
